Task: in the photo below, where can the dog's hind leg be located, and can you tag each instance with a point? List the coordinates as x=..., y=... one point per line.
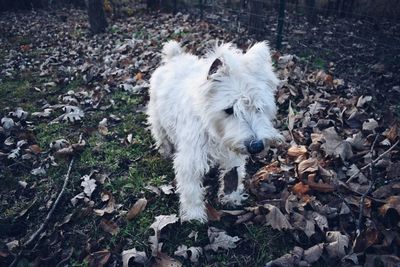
x=163, y=143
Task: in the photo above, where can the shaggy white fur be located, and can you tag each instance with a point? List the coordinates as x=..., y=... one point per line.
x=212, y=111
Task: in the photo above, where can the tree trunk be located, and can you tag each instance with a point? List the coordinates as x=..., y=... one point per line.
x=97, y=18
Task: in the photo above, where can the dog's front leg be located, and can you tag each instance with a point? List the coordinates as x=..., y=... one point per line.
x=190, y=166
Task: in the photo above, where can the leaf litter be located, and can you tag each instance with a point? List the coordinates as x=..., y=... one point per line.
x=327, y=172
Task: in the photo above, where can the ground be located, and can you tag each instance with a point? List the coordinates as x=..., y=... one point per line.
x=65, y=94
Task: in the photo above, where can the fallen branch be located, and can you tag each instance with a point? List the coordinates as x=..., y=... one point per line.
x=372, y=162
x=36, y=234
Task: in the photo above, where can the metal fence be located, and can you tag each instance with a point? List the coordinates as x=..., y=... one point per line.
x=361, y=43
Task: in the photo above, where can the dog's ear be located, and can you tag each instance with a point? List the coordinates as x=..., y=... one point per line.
x=259, y=53
x=215, y=66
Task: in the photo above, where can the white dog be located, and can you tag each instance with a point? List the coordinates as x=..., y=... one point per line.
x=212, y=111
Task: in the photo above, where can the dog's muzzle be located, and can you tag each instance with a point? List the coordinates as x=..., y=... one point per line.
x=254, y=146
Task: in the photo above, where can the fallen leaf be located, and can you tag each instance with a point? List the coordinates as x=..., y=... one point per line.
x=167, y=189
x=337, y=244
x=160, y=222
x=275, y=218
x=290, y=259
x=297, y=151
x=138, y=257
x=392, y=202
x=300, y=188
x=212, y=213
x=99, y=258
x=137, y=208
x=370, y=125
x=313, y=253
x=109, y=227
x=220, y=239
x=335, y=146
x=88, y=184
x=307, y=166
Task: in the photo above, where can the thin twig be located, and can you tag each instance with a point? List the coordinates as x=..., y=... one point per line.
x=36, y=234
x=373, y=162
x=362, y=199
x=47, y=219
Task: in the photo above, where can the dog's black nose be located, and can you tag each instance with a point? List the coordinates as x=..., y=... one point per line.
x=254, y=146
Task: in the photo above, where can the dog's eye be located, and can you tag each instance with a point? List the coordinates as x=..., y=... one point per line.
x=229, y=111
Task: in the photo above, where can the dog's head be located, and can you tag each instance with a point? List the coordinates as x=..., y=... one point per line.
x=238, y=104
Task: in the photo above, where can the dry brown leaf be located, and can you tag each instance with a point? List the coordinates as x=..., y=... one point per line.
x=307, y=166
x=297, y=151
x=392, y=202
x=367, y=238
x=109, y=226
x=212, y=213
x=300, y=188
x=35, y=149
x=321, y=187
x=137, y=208
x=99, y=258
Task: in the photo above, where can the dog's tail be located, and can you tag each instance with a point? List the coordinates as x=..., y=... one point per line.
x=171, y=49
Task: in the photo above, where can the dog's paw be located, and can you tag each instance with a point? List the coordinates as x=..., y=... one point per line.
x=233, y=199
x=195, y=213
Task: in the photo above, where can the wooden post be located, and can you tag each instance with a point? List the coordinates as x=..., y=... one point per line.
x=281, y=20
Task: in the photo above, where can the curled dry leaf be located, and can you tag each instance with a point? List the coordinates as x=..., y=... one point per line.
x=102, y=127
x=392, y=202
x=110, y=207
x=109, y=227
x=337, y=244
x=99, y=258
x=167, y=189
x=290, y=259
x=137, y=208
x=335, y=146
x=160, y=222
x=88, y=184
x=300, y=188
x=212, y=213
x=275, y=218
x=220, y=239
x=313, y=253
x=297, y=151
x=307, y=166
x=137, y=256
x=321, y=187
x=370, y=125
